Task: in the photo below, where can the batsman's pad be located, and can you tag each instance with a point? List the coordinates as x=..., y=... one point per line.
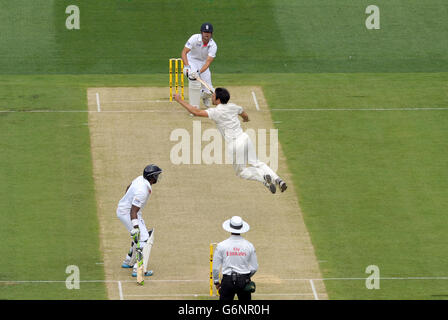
x=194, y=90
x=133, y=252
x=206, y=99
x=147, y=250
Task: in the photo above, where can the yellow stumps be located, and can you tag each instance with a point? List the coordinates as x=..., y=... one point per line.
x=171, y=80
x=178, y=73
x=211, y=270
x=182, y=78
x=176, y=70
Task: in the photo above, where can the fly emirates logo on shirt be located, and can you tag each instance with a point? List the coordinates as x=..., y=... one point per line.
x=236, y=252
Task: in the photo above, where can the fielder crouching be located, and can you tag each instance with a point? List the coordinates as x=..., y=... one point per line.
x=129, y=211
x=238, y=260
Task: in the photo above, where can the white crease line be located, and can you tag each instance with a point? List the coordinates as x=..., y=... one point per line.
x=255, y=100
x=169, y=295
x=91, y=111
x=358, y=109
x=95, y=281
x=175, y=281
x=206, y=295
x=381, y=278
x=283, y=294
x=191, y=280
x=183, y=111
x=44, y=111
x=120, y=290
x=238, y=102
x=316, y=297
x=137, y=101
x=98, y=102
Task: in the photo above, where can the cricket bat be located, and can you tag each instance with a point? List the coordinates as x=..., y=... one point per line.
x=140, y=277
x=205, y=84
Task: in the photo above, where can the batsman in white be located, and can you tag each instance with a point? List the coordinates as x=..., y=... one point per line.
x=197, y=55
x=239, y=144
x=129, y=211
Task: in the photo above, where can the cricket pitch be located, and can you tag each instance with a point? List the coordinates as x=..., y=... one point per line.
x=130, y=128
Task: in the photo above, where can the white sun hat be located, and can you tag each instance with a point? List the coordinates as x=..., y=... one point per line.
x=236, y=225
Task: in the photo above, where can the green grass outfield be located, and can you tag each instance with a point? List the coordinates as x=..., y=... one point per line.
x=253, y=36
x=372, y=184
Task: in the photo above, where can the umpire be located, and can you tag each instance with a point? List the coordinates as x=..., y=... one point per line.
x=238, y=260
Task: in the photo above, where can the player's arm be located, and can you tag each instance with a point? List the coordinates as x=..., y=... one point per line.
x=184, y=55
x=190, y=108
x=216, y=267
x=134, y=211
x=253, y=262
x=207, y=64
x=245, y=116
x=135, y=232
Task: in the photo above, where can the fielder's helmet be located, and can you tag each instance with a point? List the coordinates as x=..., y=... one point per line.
x=152, y=172
x=206, y=27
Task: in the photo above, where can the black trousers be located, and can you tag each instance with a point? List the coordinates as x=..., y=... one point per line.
x=234, y=284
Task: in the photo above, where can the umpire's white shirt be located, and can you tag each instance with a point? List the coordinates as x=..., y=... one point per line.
x=198, y=51
x=226, y=118
x=235, y=254
x=137, y=195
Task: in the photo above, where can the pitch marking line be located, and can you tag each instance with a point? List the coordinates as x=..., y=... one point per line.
x=120, y=290
x=358, y=109
x=206, y=295
x=138, y=101
x=182, y=111
x=255, y=100
x=191, y=280
x=98, y=102
x=316, y=297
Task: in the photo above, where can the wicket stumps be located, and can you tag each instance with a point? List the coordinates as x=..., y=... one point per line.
x=211, y=270
x=177, y=74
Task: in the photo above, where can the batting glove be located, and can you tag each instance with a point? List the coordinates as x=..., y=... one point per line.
x=135, y=234
x=193, y=75
x=186, y=70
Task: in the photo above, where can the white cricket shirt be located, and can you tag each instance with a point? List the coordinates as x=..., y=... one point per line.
x=198, y=52
x=137, y=195
x=234, y=254
x=226, y=119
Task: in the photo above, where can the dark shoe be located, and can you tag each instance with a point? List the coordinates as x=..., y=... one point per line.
x=268, y=183
x=281, y=184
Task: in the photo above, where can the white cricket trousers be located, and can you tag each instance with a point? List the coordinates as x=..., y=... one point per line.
x=245, y=161
x=126, y=220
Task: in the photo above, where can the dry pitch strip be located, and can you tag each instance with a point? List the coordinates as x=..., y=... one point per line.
x=130, y=128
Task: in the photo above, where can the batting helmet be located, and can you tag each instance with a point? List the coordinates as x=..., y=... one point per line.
x=206, y=27
x=152, y=172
